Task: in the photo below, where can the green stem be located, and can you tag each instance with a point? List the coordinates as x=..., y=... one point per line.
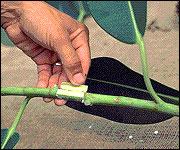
x=82, y=11
x=75, y=94
x=167, y=108
x=176, y=99
x=16, y=121
x=140, y=41
x=146, y=75
x=29, y=91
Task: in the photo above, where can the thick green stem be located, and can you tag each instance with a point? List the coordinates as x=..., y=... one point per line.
x=91, y=99
x=80, y=95
x=16, y=121
x=29, y=91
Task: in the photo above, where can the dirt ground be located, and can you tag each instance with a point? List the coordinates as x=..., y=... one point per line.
x=46, y=126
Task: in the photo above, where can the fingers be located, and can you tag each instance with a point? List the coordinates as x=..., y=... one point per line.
x=48, y=80
x=80, y=42
x=71, y=63
x=75, y=63
x=62, y=78
x=74, y=54
x=44, y=73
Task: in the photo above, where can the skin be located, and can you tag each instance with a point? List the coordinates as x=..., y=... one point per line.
x=48, y=36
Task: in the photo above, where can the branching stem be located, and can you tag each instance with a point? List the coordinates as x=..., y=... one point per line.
x=90, y=98
x=139, y=40
x=16, y=121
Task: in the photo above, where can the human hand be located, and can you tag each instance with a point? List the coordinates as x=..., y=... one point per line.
x=49, y=37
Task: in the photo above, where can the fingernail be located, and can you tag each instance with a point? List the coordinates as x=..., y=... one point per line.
x=78, y=78
x=47, y=100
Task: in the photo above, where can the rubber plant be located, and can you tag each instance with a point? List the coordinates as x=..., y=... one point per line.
x=124, y=20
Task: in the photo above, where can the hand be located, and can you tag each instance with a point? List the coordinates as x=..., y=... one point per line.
x=49, y=37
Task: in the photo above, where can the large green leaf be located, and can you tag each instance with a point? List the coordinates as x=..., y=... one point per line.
x=12, y=141
x=115, y=18
x=126, y=21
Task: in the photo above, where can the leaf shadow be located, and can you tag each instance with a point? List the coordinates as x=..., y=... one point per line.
x=111, y=70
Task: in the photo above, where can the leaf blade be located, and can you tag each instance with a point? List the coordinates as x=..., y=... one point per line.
x=115, y=18
x=69, y=7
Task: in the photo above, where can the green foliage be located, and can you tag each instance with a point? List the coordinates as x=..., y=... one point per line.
x=12, y=141
x=69, y=7
x=5, y=40
x=115, y=18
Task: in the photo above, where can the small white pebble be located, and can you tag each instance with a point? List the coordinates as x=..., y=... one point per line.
x=155, y=132
x=140, y=140
x=130, y=137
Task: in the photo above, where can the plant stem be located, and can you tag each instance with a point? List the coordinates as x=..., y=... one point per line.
x=140, y=41
x=82, y=11
x=176, y=99
x=29, y=91
x=89, y=98
x=16, y=121
x=157, y=99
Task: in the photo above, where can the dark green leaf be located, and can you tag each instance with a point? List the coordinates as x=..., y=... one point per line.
x=12, y=141
x=115, y=18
